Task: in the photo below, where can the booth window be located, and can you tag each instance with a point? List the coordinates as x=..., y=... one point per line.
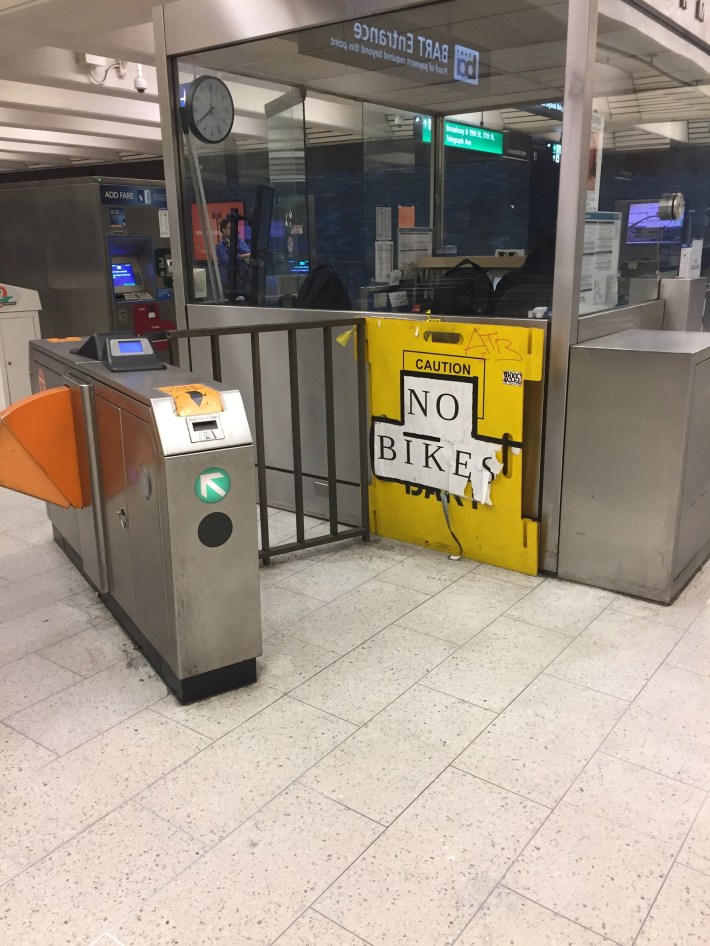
x=650, y=145
x=390, y=150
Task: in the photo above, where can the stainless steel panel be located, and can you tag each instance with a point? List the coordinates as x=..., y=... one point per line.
x=174, y=431
x=190, y=26
x=648, y=315
x=685, y=304
x=16, y=334
x=216, y=590
x=634, y=514
x=144, y=531
x=694, y=524
x=115, y=505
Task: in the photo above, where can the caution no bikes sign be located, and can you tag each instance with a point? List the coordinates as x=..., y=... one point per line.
x=447, y=419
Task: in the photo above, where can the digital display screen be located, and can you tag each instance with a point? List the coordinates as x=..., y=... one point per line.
x=646, y=226
x=123, y=275
x=130, y=346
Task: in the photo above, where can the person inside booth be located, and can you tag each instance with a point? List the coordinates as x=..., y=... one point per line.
x=243, y=254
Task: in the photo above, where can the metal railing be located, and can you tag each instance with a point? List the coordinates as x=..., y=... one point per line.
x=337, y=532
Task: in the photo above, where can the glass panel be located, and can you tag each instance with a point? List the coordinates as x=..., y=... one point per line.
x=392, y=144
x=651, y=140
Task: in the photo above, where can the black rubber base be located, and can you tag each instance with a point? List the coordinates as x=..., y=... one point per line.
x=189, y=689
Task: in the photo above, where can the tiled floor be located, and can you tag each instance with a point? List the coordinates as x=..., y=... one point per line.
x=436, y=753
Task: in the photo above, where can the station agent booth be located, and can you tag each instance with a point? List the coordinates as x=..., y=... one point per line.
x=400, y=139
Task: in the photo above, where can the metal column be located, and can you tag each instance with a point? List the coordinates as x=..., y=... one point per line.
x=579, y=75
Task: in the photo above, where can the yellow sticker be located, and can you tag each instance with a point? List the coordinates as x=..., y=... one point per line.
x=191, y=400
x=344, y=338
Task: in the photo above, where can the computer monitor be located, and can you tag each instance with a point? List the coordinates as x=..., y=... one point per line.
x=126, y=274
x=645, y=227
x=261, y=221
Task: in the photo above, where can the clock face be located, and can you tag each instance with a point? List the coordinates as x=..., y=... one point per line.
x=210, y=110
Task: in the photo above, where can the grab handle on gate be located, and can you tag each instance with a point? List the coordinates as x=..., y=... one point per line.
x=38, y=449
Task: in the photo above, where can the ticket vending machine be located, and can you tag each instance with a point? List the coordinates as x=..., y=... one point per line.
x=97, y=250
x=149, y=478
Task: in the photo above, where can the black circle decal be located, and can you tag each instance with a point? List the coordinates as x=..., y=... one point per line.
x=215, y=530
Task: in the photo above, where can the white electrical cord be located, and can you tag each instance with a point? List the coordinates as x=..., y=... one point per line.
x=121, y=67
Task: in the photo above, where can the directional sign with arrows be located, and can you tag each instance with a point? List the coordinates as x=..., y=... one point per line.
x=212, y=485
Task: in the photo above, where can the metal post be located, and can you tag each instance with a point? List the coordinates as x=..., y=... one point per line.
x=437, y=181
x=296, y=432
x=260, y=448
x=329, y=395
x=364, y=426
x=579, y=75
x=216, y=358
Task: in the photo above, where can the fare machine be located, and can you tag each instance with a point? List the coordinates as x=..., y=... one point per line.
x=167, y=532
x=96, y=249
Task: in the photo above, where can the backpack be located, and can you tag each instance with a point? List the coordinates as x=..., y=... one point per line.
x=323, y=289
x=463, y=290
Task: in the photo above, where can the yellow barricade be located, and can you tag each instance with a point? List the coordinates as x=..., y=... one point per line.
x=446, y=436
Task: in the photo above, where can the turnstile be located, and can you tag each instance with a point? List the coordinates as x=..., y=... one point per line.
x=167, y=533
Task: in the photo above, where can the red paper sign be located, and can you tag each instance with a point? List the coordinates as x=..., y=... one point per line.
x=215, y=212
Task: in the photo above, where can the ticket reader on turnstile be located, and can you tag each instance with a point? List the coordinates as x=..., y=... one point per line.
x=161, y=516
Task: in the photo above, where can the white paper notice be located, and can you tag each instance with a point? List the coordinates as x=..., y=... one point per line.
x=414, y=242
x=163, y=223
x=596, y=151
x=384, y=250
x=383, y=223
x=600, y=262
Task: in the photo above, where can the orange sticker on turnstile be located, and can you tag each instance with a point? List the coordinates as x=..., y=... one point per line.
x=69, y=338
x=194, y=399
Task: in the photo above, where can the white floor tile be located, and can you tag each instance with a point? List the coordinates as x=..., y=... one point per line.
x=507, y=919
x=428, y=571
x=592, y=871
x=636, y=798
x=693, y=649
x=497, y=665
x=543, y=740
x=29, y=680
x=66, y=796
x=422, y=881
x=505, y=574
x=617, y=654
x=91, y=882
x=385, y=765
x=36, y=629
x=464, y=608
x=19, y=757
x=363, y=682
x=287, y=662
x=681, y=614
x=250, y=888
x=666, y=729
x=313, y=929
x=10, y=545
x=562, y=606
x=30, y=562
x=92, y=650
x=681, y=915
x=346, y=569
x=357, y=616
x=17, y=517
x=35, y=533
x=696, y=850
x=281, y=608
x=8, y=869
x=286, y=566
x=223, y=786
x=68, y=719
x=218, y=715
x=20, y=597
